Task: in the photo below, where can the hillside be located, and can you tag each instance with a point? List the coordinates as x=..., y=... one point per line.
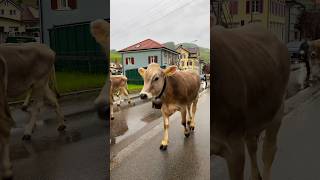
x=115, y=55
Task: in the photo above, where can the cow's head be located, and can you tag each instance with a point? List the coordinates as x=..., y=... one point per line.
x=102, y=103
x=154, y=80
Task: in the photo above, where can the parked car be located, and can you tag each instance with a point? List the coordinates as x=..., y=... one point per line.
x=297, y=51
x=20, y=39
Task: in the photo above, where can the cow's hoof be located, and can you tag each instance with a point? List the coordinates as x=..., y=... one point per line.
x=187, y=134
x=24, y=108
x=7, y=178
x=62, y=128
x=26, y=137
x=112, y=118
x=163, y=147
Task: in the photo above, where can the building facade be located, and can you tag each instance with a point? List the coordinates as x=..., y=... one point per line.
x=64, y=12
x=146, y=52
x=270, y=13
x=189, y=58
x=10, y=18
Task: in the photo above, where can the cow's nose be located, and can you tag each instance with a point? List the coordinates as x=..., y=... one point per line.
x=143, y=96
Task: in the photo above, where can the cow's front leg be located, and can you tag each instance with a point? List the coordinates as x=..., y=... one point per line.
x=26, y=101
x=6, y=163
x=165, y=140
x=194, y=109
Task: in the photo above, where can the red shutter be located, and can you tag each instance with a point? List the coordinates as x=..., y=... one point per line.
x=236, y=4
x=156, y=59
x=126, y=60
x=72, y=4
x=132, y=60
x=261, y=6
x=149, y=59
x=54, y=4
x=248, y=7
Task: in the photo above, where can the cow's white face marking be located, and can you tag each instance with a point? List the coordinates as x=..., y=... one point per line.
x=154, y=78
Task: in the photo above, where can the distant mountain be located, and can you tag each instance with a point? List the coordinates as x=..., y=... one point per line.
x=204, y=52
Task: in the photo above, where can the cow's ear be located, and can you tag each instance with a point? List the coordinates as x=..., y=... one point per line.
x=171, y=70
x=141, y=71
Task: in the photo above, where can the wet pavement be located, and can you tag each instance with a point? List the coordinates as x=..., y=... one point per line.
x=79, y=153
x=298, y=143
x=136, y=155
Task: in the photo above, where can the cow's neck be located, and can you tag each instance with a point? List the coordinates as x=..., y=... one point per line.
x=163, y=88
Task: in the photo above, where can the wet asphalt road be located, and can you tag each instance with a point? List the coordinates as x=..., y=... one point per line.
x=185, y=158
x=80, y=153
x=298, y=146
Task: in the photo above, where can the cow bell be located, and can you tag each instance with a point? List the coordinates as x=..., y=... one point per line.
x=157, y=103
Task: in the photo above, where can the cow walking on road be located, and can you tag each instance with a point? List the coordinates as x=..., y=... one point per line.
x=251, y=72
x=172, y=90
x=26, y=67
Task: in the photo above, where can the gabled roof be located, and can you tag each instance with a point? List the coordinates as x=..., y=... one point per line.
x=11, y=2
x=180, y=46
x=30, y=14
x=193, y=50
x=143, y=45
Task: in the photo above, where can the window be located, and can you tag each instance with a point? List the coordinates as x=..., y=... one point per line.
x=254, y=6
x=233, y=7
x=2, y=11
x=1, y=29
x=152, y=59
x=63, y=4
x=129, y=60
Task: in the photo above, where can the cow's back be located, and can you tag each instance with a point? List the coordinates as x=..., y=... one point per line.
x=183, y=87
x=251, y=71
x=27, y=63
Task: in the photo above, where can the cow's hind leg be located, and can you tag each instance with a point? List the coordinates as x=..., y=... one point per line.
x=252, y=145
x=50, y=95
x=194, y=109
x=6, y=163
x=125, y=93
x=269, y=149
x=184, y=123
x=235, y=158
x=35, y=110
x=26, y=101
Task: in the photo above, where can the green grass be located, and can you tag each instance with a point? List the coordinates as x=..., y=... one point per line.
x=133, y=88
x=74, y=81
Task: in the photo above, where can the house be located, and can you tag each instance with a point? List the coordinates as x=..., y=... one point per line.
x=65, y=12
x=189, y=58
x=30, y=17
x=270, y=13
x=10, y=18
x=145, y=52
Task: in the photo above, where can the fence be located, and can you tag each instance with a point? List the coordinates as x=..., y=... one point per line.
x=134, y=77
x=76, y=50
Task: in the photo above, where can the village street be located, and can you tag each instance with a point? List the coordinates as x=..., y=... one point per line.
x=136, y=151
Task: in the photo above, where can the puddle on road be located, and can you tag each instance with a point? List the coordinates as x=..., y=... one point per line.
x=27, y=149
x=123, y=127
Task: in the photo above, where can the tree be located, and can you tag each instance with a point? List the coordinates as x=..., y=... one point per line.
x=309, y=25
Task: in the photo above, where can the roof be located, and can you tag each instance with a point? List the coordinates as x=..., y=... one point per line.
x=13, y=3
x=146, y=45
x=193, y=50
x=30, y=14
x=183, y=48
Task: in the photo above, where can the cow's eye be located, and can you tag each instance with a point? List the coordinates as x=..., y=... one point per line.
x=156, y=79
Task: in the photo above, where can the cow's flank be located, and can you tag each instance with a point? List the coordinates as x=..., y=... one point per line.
x=251, y=72
x=177, y=91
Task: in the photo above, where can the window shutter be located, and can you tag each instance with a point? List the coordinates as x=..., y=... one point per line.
x=54, y=4
x=126, y=60
x=261, y=6
x=156, y=59
x=72, y=4
x=149, y=59
x=236, y=4
x=248, y=7
x=132, y=60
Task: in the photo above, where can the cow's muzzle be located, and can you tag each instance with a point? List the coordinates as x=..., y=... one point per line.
x=143, y=96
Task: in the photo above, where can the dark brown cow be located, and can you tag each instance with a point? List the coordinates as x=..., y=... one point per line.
x=177, y=91
x=250, y=77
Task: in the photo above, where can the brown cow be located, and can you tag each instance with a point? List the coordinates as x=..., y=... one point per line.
x=251, y=72
x=176, y=90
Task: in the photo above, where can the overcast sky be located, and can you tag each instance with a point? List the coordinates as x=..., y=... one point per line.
x=179, y=21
